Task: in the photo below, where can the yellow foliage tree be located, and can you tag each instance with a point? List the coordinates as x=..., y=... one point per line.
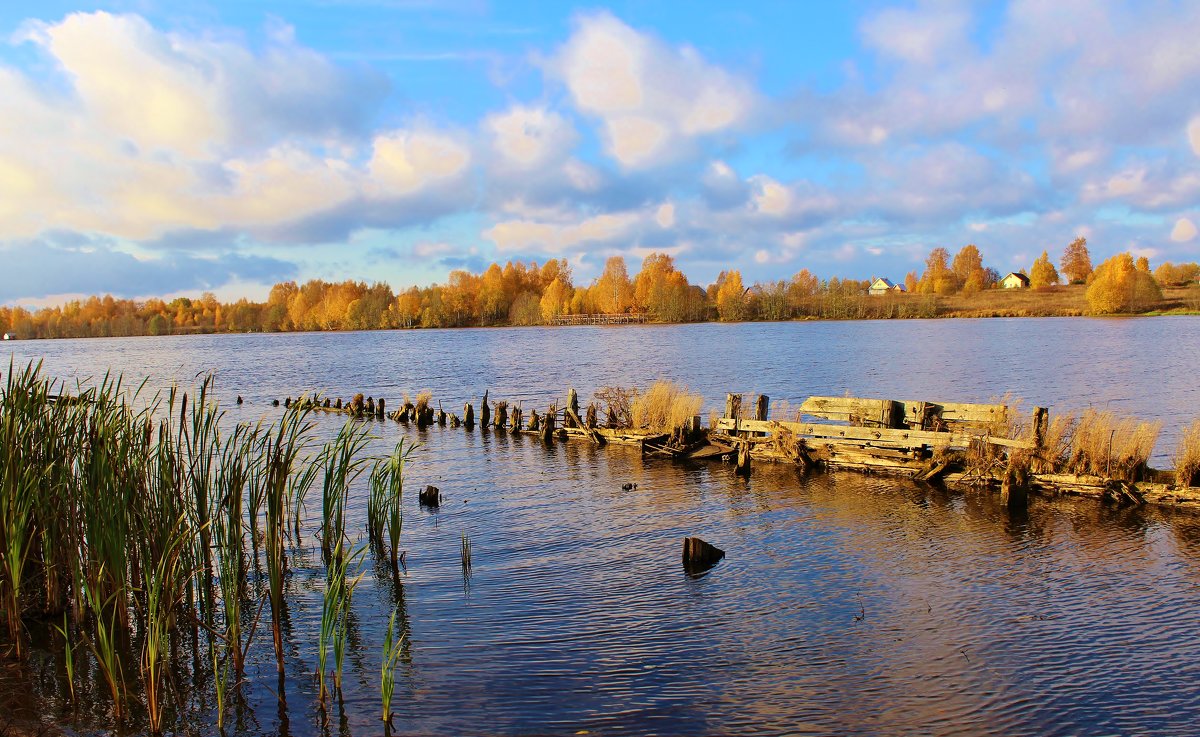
x=1119, y=286
x=1043, y=273
x=731, y=298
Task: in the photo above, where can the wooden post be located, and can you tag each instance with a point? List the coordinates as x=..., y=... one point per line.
x=535, y=422
x=697, y=552
x=469, y=416
x=548, y=422
x=379, y=409
x=501, y=415
x=762, y=407
x=1041, y=422
x=590, y=419
x=484, y=412
x=572, y=407
x=733, y=406
x=516, y=419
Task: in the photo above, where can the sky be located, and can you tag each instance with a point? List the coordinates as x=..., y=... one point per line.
x=154, y=148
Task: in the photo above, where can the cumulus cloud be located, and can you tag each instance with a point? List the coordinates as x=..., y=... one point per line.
x=1184, y=231
x=166, y=132
x=652, y=99
x=530, y=137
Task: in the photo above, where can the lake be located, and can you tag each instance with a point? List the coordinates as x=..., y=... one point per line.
x=847, y=603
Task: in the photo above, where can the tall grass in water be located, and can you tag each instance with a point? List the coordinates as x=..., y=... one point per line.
x=384, y=506
x=1187, y=456
x=393, y=645
x=665, y=407
x=286, y=442
x=1105, y=444
x=342, y=464
x=335, y=616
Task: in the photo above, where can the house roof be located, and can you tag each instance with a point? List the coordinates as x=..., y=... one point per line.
x=881, y=283
x=1017, y=274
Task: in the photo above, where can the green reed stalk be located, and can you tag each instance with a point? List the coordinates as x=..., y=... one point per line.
x=464, y=553
x=220, y=683
x=166, y=579
x=288, y=440
x=68, y=655
x=384, y=508
x=342, y=467
x=104, y=645
x=393, y=645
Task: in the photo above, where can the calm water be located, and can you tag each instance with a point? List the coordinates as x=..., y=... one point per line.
x=847, y=603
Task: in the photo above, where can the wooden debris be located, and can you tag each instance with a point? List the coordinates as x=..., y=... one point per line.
x=430, y=496
x=698, y=553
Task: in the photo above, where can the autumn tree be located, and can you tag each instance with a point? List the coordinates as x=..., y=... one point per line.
x=731, y=298
x=801, y=291
x=938, y=278
x=613, y=290
x=1142, y=264
x=555, y=300
x=662, y=290
x=1077, y=262
x=1169, y=274
x=1043, y=273
x=1119, y=286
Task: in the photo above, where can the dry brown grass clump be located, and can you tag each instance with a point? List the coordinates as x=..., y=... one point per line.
x=618, y=402
x=423, y=400
x=1111, y=446
x=1056, y=445
x=665, y=406
x=1187, y=456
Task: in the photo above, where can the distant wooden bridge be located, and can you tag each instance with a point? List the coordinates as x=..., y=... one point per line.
x=616, y=318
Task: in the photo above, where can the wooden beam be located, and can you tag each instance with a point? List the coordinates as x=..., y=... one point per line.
x=906, y=437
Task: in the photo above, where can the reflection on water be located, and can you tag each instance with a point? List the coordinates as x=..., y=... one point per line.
x=846, y=603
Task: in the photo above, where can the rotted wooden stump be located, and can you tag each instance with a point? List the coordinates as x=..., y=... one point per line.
x=371, y=406
x=338, y=403
x=501, y=415
x=379, y=411
x=572, y=408
x=441, y=416
x=700, y=555
x=327, y=403
x=454, y=421
x=430, y=496
x=484, y=412
x=516, y=419
x=548, y=422
x=424, y=416
x=535, y=422
x=590, y=418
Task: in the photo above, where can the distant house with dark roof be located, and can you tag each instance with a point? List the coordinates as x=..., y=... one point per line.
x=1015, y=280
x=881, y=286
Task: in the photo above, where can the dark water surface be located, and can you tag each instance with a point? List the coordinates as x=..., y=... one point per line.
x=847, y=604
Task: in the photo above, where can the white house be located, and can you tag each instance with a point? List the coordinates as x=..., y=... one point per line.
x=1015, y=280
x=880, y=286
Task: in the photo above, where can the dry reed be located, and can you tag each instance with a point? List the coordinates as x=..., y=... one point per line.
x=1187, y=456
x=1111, y=446
x=665, y=407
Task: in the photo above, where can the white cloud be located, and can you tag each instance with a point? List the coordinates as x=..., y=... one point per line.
x=529, y=235
x=1184, y=231
x=1193, y=132
x=163, y=133
x=406, y=161
x=665, y=215
x=922, y=36
x=652, y=99
x=530, y=137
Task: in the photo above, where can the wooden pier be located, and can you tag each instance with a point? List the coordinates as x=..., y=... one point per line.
x=616, y=318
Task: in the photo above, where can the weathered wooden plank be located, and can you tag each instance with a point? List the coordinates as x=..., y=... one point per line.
x=910, y=437
x=843, y=408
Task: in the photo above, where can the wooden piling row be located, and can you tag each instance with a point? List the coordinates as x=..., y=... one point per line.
x=918, y=439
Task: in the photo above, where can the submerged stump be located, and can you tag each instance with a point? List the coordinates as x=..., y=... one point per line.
x=699, y=555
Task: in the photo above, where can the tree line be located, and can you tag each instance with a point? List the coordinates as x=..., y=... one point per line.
x=530, y=294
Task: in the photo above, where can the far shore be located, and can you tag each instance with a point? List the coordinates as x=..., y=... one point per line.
x=1056, y=301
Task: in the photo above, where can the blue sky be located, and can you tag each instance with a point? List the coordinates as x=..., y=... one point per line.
x=148, y=150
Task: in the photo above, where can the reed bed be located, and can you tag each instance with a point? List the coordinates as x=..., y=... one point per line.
x=125, y=517
x=1105, y=444
x=1187, y=456
x=665, y=407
